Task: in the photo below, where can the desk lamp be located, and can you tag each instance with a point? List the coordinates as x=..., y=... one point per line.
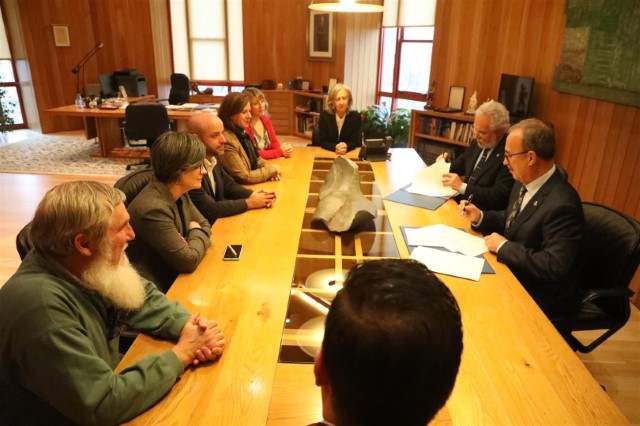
x=80, y=66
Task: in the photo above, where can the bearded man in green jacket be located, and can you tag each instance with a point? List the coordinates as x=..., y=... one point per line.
x=62, y=312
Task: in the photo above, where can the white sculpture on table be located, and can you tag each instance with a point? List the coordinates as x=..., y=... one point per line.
x=473, y=103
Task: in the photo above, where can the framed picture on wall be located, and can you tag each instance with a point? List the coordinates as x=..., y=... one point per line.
x=61, y=35
x=321, y=36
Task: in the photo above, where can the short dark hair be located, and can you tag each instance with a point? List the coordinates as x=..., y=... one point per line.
x=231, y=105
x=537, y=136
x=173, y=153
x=392, y=344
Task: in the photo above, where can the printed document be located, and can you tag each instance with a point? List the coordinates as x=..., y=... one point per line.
x=452, y=239
x=429, y=181
x=444, y=262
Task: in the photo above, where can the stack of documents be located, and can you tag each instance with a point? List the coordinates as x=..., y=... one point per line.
x=429, y=181
x=462, y=264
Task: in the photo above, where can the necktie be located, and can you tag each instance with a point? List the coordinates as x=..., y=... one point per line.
x=516, y=207
x=478, y=168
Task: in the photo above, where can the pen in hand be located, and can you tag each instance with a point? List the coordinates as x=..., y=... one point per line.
x=467, y=203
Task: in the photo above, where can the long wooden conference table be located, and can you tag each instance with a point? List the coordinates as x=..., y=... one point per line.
x=104, y=124
x=515, y=369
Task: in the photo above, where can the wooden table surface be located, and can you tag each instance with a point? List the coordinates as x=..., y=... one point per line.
x=515, y=369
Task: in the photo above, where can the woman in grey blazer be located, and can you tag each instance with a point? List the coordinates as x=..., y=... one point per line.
x=171, y=234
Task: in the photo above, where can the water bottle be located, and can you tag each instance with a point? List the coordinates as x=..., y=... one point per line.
x=79, y=101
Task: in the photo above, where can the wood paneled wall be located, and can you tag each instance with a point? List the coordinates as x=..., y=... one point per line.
x=275, y=33
x=477, y=40
x=124, y=26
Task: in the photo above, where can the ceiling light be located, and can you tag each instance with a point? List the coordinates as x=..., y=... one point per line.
x=346, y=6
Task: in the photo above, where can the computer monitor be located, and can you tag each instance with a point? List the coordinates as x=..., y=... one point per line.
x=133, y=82
x=108, y=87
x=515, y=94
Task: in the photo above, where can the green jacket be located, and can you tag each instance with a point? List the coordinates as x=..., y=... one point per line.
x=58, y=353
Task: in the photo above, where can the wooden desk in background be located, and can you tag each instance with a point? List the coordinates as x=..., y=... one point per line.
x=105, y=125
x=516, y=369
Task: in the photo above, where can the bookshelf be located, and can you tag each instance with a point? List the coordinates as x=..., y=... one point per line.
x=295, y=112
x=306, y=109
x=432, y=133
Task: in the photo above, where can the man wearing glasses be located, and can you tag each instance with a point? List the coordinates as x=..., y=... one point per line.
x=543, y=224
x=479, y=170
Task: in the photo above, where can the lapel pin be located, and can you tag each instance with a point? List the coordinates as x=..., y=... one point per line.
x=535, y=203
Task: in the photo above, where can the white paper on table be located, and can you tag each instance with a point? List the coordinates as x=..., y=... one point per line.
x=429, y=181
x=445, y=262
x=452, y=239
x=186, y=106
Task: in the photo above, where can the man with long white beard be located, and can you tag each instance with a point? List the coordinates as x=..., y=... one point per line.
x=62, y=312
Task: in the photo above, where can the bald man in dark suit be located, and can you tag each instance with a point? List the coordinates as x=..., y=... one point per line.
x=539, y=234
x=220, y=195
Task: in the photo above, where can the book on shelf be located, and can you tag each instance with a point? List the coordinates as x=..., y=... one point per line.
x=306, y=125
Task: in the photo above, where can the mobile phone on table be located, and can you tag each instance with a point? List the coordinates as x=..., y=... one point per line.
x=232, y=252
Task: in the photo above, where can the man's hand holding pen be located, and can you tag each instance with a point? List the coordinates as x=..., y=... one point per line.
x=470, y=211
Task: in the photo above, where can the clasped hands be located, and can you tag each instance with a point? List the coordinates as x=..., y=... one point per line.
x=469, y=211
x=278, y=170
x=261, y=198
x=287, y=149
x=201, y=340
x=341, y=148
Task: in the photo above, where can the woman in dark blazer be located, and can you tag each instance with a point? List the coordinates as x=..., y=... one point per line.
x=340, y=129
x=171, y=234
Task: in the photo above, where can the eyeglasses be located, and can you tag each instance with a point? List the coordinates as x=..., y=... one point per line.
x=508, y=155
x=200, y=167
x=480, y=133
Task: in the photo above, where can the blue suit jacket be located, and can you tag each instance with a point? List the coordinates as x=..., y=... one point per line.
x=543, y=243
x=493, y=186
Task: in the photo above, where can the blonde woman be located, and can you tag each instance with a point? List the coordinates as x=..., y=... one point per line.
x=340, y=128
x=261, y=130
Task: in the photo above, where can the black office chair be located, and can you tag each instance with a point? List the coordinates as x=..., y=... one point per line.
x=23, y=244
x=145, y=121
x=610, y=255
x=315, y=136
x=132, y=183
x=180, y=89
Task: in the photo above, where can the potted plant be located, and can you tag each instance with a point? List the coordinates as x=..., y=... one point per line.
x=377, y=122
x=398, y=126
x=6, y=109
x=374, y=121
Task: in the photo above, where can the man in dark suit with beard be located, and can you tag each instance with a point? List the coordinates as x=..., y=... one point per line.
x=543, y=224
x=220, y=195
x=479, y=170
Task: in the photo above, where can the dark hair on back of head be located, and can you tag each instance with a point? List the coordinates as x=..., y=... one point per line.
x=392, y=344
